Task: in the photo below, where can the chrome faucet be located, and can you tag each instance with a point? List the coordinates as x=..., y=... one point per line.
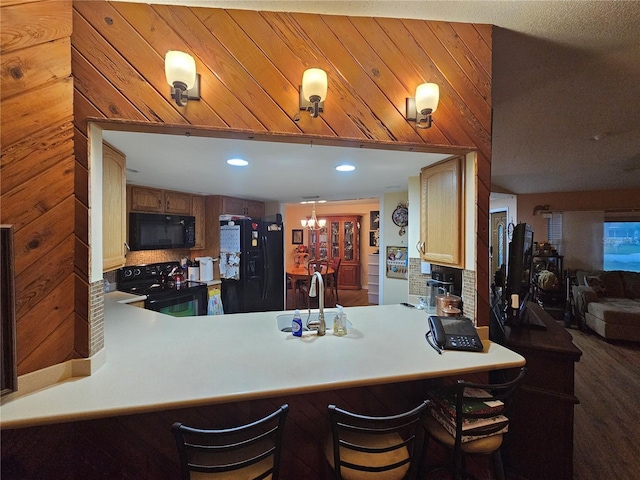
x=319, y=325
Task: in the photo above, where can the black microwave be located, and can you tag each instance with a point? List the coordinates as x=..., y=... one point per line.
x=153, y=231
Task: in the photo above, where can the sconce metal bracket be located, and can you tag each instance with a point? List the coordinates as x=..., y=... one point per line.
x=191, y=94
x=422, y=121
x=307, y=105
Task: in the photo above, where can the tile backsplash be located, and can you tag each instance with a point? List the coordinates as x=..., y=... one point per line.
x=142, y=257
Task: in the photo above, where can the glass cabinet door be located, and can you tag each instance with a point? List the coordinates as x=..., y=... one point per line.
x=348, y=241
x=323, y=244
x=313, y=241
x=335, y=239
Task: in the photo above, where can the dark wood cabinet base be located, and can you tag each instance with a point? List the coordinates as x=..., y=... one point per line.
x=540, y=439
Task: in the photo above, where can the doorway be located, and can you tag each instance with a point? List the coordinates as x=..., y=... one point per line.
x=498, y=240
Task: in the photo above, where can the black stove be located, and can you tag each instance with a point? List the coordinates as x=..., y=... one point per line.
x=163, y=293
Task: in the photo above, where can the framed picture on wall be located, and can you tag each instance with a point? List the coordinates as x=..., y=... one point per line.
x=372, y=238
x=374, y=220
x=297, y=237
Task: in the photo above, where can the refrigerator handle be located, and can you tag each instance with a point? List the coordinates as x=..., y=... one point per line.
x=265, y=267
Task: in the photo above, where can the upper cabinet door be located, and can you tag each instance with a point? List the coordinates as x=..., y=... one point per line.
x=254, y=209
x=145, y=199
x=442, y=213
x=177, y=203
x=114, y=226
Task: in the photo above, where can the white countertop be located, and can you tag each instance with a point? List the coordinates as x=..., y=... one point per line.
x=156, y=362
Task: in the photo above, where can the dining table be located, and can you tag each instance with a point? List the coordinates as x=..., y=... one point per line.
x=297, y=273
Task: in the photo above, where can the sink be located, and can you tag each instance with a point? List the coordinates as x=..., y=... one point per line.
x=284, y=320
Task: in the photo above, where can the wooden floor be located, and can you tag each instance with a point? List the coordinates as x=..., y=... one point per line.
x=607, y=420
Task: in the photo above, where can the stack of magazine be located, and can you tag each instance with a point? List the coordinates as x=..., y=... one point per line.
x=444, y=411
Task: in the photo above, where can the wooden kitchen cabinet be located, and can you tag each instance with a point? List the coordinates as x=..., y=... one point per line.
x=340, y=238
x=155, y=200
x=198, y=211
x=239, y=206
x=144, y=199
x=442, y=213
x=177, y=203
x=114, y=224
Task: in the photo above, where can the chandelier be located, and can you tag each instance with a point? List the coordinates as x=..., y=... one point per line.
x=313, y=223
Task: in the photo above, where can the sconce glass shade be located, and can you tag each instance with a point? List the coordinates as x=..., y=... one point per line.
x=180, y=67
x=314, y=84
x=427, y=97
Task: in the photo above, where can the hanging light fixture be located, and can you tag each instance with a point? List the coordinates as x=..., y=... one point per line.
x=180, y=71
x=313, y=91
x=420, y=108
x=313, y=223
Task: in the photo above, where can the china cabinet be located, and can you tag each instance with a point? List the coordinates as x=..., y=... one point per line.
x=339, y=238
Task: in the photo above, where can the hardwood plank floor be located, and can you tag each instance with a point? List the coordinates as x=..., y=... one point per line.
x=607, y=426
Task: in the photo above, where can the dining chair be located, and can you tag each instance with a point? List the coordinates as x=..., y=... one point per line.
x=333, y=278
x=314, y=266
x=245, y=452
x=383, y=447
x=463, y=406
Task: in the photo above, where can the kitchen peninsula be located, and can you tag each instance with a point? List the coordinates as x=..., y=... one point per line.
x=161, y=369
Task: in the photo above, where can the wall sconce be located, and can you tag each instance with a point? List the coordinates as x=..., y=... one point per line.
x=180, y=70
x=313, y=91
x=420, y=108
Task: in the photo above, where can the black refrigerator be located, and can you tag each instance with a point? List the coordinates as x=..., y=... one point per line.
x=252, y=264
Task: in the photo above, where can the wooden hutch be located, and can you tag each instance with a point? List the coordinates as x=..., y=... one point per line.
x=339, y=238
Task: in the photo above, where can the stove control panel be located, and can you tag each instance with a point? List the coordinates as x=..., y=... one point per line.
x=143, y=273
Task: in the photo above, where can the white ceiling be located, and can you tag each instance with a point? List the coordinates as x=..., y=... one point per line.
x=566, y=90
x=277, y=171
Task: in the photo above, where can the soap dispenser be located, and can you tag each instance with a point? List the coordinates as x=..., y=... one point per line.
x=296, y=324
x=340, y=322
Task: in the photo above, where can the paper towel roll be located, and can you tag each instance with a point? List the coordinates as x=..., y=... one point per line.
x=194, y=274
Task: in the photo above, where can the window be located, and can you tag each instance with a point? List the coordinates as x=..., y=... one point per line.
x=622, y=246
x=554, y=229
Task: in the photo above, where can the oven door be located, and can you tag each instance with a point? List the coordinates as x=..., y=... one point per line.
x=190, y=303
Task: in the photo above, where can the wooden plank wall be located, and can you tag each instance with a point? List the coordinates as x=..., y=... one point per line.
x=251, y=64
x=38, y=178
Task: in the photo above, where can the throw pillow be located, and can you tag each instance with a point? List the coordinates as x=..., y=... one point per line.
x=595, y=282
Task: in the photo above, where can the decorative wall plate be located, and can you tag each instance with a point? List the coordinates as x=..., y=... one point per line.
x=400, y=217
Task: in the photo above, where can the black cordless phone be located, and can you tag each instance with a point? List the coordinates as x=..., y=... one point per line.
x=454, y=333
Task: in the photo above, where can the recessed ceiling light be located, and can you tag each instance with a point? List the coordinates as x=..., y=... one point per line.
x=345, y=168
x=237, y=162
